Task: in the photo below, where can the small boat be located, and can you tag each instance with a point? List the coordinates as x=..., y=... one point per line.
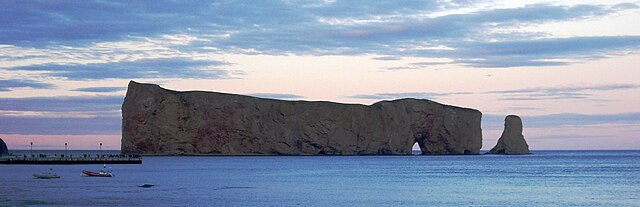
x=46, y=175
x=100, y=173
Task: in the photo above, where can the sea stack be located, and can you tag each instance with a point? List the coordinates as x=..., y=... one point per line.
x=512, y=141
x=3, y=148
x=157, y=121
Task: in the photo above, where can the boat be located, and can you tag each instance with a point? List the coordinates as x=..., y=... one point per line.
x=46, y=175
x=100, y=173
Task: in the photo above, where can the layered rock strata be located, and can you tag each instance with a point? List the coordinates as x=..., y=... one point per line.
x=512, y=141
x=157, y=121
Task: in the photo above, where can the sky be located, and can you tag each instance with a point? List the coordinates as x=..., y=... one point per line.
x=568, y=68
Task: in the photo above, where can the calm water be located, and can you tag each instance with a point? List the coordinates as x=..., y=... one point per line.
x=545, y=178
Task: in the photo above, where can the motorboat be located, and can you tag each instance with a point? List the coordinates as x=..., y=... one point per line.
x=46, y=175
x=100, y=173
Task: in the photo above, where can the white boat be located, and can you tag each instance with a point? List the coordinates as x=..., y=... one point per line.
x=47, y=175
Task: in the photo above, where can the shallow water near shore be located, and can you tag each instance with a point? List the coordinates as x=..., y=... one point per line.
x=544, y=178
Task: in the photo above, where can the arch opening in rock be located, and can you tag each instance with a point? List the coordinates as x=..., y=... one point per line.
x=415, y=150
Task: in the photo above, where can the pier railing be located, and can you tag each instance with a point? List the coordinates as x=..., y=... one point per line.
x=70, y=160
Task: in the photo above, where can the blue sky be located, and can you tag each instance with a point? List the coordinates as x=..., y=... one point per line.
x=64, y=64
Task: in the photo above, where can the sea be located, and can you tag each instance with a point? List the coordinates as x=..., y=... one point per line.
x=543, y=178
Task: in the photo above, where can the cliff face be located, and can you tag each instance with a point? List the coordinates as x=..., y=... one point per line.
x=158, y=121
x=512, y=141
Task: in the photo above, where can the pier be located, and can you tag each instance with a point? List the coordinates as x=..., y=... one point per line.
x=66, y=158
x=70, y=160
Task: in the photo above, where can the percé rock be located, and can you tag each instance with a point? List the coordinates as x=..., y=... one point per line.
x=157, y=121
x=512, y=141
x=3, y=148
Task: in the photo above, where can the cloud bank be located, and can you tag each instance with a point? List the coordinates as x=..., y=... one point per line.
x=466, y=32
x=7, y=85
x=143, y=68
x=492, y=121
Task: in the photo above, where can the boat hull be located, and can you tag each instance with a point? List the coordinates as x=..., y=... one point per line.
x=96, y=174
x=45, y=176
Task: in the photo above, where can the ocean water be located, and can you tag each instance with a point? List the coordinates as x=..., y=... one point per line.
x=544, y=178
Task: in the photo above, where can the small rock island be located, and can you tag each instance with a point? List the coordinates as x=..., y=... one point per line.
x=512, y=141
x=3, y=148
x=157, y=121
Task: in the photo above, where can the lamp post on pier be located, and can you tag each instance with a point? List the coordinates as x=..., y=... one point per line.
x=100, y=149
x=65, y=150
x=31, y=150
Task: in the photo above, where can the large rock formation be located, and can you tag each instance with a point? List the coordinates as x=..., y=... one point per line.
x=156, y=121
x=3, y=148
x=512, y=141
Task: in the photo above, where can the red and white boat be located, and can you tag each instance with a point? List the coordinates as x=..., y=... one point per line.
x=97, y=174
x=101, y=173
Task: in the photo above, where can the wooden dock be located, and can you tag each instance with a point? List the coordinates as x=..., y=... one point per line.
x=69, y=160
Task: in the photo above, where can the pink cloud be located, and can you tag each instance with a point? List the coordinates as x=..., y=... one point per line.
x=56, y=142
